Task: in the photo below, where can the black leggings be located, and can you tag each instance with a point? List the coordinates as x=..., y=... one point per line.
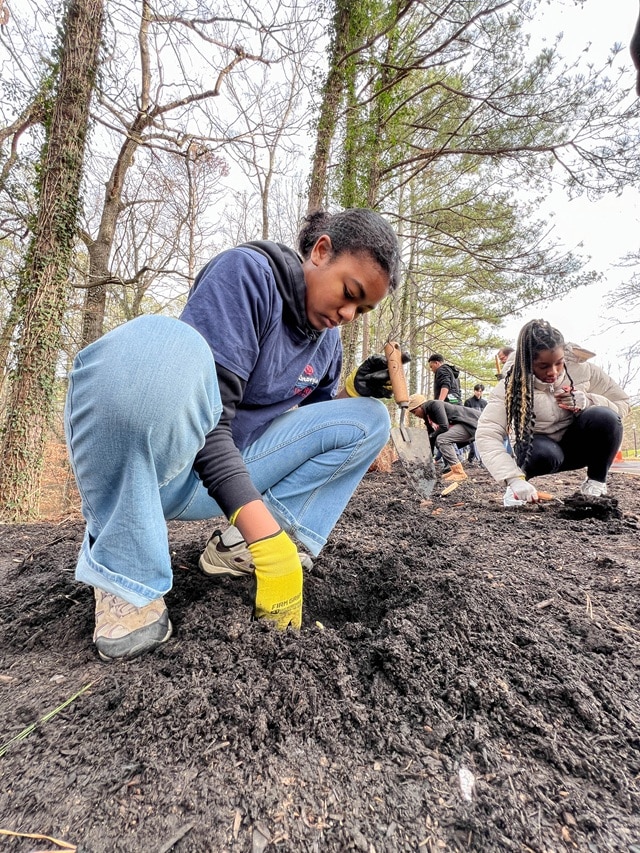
x=593, y=439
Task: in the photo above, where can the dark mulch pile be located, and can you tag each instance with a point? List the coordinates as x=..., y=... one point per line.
x=467, y=678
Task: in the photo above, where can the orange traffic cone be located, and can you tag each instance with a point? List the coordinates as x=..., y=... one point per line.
x=618, y=457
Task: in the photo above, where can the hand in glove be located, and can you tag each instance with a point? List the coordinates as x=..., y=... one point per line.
x=573, y=401
x=520, y=491
x=278, y=580
x=372, y=379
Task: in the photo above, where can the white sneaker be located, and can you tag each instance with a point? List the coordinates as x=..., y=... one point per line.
x=228, y=554
x=593, y=488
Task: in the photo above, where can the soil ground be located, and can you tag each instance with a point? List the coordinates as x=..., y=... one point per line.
x=467, y=678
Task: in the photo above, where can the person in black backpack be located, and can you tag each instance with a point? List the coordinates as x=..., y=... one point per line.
x=445, y=381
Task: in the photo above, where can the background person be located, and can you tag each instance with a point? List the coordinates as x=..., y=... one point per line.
x=446, y=386
x=449, y=427
x=564, y=413
x=501, y=359
x=212, y=414
x=475, y=401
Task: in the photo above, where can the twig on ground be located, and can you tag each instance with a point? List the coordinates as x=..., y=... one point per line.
x=36, y=835
x=29, y=729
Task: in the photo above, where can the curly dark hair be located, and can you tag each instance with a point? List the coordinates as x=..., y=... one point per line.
x=534, y=337
x=357, y=230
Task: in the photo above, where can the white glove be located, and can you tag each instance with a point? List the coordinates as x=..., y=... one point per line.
x=519, y=491
x=575, y=401
x=581, y=401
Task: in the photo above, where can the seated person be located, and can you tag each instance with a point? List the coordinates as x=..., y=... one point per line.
x=448, y=426
x=564, y=413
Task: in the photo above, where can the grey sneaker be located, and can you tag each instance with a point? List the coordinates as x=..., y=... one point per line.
x=593, y=488
x=125, y=631
x=228, y=554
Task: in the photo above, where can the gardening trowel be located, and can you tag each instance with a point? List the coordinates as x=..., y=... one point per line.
x=412, y=444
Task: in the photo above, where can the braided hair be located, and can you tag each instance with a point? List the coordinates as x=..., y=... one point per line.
x=534, y=337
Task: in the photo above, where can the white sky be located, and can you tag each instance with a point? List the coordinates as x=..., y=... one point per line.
x=607, y=229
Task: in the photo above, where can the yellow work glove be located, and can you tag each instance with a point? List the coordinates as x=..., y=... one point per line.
x=372, y=378
x=278, y=580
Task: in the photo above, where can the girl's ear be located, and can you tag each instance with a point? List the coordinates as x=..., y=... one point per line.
x=322, y=250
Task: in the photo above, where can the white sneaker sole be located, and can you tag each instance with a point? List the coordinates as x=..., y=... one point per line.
x=214, y=570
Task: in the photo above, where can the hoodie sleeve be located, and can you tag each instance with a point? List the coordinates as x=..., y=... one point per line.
x=219, y=464
x=229, y=305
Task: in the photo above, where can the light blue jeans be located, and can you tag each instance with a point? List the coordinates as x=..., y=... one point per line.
x=141, y=400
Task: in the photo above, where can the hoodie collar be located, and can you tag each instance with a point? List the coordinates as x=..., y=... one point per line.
x=286, y=266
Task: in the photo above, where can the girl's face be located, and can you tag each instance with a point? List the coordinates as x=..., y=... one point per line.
x=339, y=289
x=548, y=364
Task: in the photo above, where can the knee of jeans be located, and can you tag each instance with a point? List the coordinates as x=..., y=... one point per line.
x=150, y=371
x=188, y=402
x=377, y=419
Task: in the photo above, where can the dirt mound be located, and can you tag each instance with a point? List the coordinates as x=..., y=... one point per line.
x=467, y=678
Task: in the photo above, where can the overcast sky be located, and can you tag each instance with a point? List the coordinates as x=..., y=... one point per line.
x=608, y=229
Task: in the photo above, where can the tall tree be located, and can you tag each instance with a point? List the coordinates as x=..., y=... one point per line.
x=167, y=104
x=273, y=114
x=162, y=223
x=44, y=278
x=448, y=100
x=347, y=33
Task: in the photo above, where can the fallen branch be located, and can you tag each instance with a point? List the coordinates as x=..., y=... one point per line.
x=38, y=837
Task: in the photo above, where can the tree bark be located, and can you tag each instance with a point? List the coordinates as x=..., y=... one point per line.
x=100, y=250
x=149, y=119
x=43, y=289
x=332, y=99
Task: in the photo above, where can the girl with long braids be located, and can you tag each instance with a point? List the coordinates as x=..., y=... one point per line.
x=561, y=412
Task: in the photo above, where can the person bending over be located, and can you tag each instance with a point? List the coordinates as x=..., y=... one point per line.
x=232, y=409
x=563, y=413
x=449, y=427
x=502, y=357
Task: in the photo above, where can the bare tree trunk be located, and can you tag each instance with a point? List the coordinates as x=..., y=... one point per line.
x=42, y=296
x=192, y=153
x=100, y=250
x=332, y=99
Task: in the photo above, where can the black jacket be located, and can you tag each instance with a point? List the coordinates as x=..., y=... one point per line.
x=446, y=376
x=443, y=415
x=474, y=402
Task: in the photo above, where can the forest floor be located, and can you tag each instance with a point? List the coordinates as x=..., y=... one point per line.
x=467, y=678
